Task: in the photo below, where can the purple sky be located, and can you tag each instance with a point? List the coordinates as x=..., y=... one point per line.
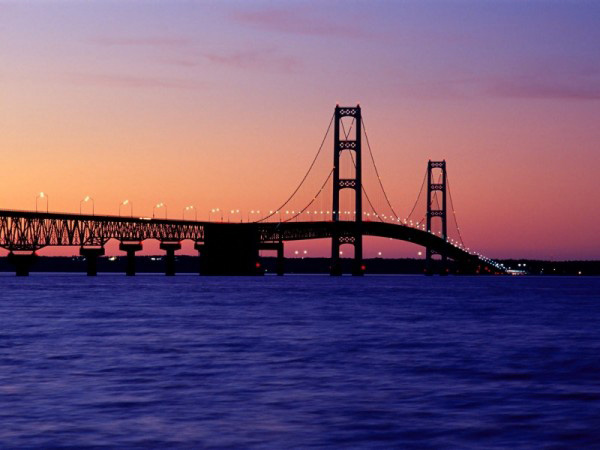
x=164, y=100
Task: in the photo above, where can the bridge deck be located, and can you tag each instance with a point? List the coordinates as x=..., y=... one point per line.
x=30, y=231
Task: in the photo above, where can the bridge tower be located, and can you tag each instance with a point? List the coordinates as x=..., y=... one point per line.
x=342, y=143
x=438, y=211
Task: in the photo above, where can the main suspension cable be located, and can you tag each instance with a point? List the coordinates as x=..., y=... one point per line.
x=377, y=171
x=454, y=212
x=371, y=204
x=305, y=176
x=418, y=196
x=365, y=192
x=314, y=198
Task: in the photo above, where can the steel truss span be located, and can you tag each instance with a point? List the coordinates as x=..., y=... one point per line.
x=31, y=231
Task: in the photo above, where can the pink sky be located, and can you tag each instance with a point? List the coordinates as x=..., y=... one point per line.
x=223, y=104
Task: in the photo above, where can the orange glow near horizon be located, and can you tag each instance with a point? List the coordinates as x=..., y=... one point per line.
x=195, y=106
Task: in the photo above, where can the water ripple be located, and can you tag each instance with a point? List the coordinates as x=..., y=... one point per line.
x=303, y=361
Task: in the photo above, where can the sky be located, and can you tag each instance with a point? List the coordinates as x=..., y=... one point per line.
x=224, y=104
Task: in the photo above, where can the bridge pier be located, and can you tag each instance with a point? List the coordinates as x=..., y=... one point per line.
x=130, y=248
x=231, y=249
x=436, y=266
x=280, y=262
x=170, y=248
x=22, y=262
x=358, y=267
x=91, y=255
x=429, y=262
x=280, y=267
x=336, y=268
x=199, y=246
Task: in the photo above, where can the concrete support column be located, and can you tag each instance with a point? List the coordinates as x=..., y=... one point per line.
x=430, y=269
x=436, y=266
x=170, y=248
x=130, y=248
x=200, y=247
x=22, y=262
x=335, y=268
x=429, y=262
x=280, y=260
x=91, y=255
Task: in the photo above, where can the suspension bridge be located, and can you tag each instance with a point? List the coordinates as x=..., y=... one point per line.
x=332, y=201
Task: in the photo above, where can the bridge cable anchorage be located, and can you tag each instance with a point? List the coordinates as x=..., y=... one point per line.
x=377, y=171
x=362, y=187
x=305, y=176
x=312, y=201
x=453, y=211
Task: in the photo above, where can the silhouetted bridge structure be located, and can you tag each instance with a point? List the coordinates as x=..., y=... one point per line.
x=233, y=248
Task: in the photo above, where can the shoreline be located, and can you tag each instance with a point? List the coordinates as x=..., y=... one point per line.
x=379, y=266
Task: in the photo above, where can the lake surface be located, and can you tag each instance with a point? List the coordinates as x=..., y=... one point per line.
x=299, y=361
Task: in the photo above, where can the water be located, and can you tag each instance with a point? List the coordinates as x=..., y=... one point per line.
x=299, y=361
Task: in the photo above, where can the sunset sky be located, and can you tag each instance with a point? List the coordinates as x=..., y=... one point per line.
x=224, y=104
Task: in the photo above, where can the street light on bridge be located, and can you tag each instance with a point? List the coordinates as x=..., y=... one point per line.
x=41, y=195
x=87, y=199
x=232, y=212
x=160, y=205
x=213, y=211
x=190, y=208
x=125, y=203
x=251, y=213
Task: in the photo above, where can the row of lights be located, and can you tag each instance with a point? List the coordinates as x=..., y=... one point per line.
x=305, y=252
x=44, y=196
x=407, y=222
x=410, y=223
x=418, y=225
x=125, y=203
x=251, y=213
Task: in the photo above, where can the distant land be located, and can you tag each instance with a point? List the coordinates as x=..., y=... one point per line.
x=190, y=264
